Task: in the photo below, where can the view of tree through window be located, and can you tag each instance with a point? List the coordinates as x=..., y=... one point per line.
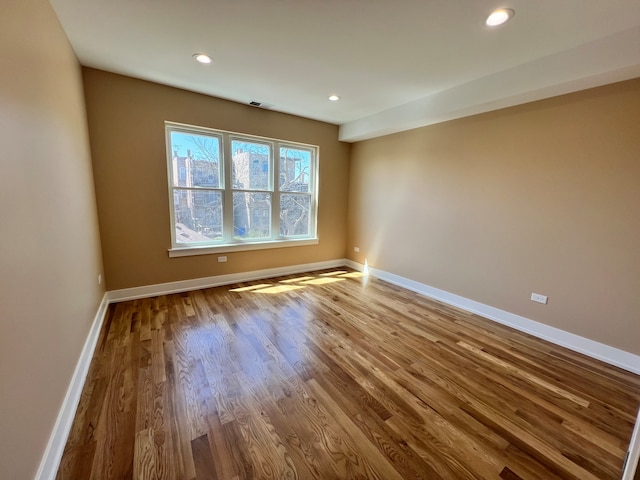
x=224, y=188
x=295, y=175
x=197, y=192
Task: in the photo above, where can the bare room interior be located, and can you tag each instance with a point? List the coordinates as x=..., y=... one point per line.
x=320, y=240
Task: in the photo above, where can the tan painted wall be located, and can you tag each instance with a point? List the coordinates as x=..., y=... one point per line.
x=126, y=123
x=542, y=197
x=49, y=242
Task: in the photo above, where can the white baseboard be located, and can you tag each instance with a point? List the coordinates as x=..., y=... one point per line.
x=591, y=348
x=216, y=281
x=634, y=453
x=53, y=453
x=55, y=448
x=614, y=356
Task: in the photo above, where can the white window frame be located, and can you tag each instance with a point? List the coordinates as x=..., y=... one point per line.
x=229, y=243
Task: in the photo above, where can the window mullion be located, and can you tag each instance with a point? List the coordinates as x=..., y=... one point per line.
x=275, y=200
x=227, y=204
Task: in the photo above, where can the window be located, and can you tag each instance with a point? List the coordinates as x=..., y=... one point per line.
x=224, y=194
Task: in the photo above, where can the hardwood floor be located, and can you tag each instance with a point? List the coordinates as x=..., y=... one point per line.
x=331, y=375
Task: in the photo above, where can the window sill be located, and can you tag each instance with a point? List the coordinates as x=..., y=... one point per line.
x=238, y=247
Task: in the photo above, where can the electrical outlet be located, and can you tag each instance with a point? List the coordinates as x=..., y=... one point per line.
x=99, y=279
x=536, y=297
x=356, y=249
x=222, y=259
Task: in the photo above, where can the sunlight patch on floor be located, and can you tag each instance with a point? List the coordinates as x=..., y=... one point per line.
x=291, y=284
x=322, y=281
x=332, y=274
x=352, y=275
x=296, y=280
x=279, y=289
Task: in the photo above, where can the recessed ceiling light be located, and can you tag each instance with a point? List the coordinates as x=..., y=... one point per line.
x=334, y=98
x=202, y=57
x=499, y=16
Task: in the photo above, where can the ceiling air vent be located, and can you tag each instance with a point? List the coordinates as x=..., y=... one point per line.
x=254, y=103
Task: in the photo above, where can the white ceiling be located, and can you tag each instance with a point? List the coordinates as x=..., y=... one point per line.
x=396, y=64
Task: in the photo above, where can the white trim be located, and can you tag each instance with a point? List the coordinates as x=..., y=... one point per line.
x=633, y=452
x=614, y=356
x=239, y=247
x=216, y=281
x=50, y=462
x=53, y=453
x=225, y=186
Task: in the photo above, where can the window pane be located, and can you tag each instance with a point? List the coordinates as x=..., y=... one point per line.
x=251, y=168
x=196, y=160
x=295, y=167
x=251, y=215
x=294, y=214
x=198, y=215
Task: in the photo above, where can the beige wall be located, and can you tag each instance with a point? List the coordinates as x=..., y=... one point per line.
x=49, y=242
x=542, y=197
x=126, y=124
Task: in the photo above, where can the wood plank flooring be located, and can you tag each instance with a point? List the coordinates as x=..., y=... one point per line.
x=332, y=375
